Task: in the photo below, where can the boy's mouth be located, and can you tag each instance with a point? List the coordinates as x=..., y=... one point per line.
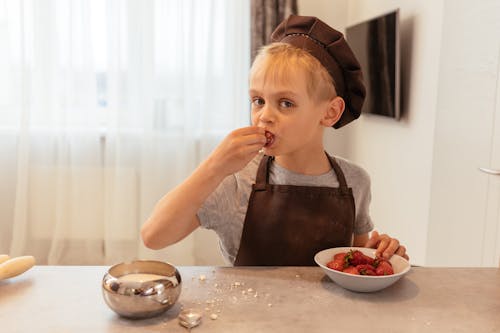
x=269, y=139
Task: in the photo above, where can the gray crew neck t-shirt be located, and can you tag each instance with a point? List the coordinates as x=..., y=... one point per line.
x=225, y=209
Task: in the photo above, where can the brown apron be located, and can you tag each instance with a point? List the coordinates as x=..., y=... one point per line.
x=286, y=225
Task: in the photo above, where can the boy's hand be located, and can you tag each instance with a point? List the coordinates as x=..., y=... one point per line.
x=237, y=149
x=386, y=246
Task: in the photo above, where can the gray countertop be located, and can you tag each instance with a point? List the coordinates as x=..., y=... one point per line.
x=287, y=299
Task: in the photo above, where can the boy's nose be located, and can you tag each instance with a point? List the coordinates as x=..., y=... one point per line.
x=267, y=114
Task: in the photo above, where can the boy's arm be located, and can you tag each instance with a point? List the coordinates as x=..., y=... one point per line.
x=174, y=216
x=360, y=240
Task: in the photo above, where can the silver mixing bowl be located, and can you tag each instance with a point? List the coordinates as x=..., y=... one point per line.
x=141, y=299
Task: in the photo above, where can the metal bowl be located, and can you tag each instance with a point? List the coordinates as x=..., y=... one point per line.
x=141, y=299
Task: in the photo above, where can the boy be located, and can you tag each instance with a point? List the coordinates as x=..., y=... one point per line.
x=283, y=206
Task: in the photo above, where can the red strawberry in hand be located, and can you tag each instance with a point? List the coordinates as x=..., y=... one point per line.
x=269, y=138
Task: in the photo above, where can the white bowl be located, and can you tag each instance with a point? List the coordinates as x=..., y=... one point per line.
x=361, y=283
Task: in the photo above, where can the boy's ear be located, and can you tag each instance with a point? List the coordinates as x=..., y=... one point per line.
x=334, y=111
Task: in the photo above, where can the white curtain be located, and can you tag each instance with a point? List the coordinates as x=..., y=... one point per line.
x=105, y=105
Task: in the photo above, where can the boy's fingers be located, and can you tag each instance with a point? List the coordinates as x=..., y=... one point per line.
x=373, y=240
x=246, y=136
x=385, y=245
x=249, y=130
x=250, y=140
x=258, y=138
x=253, y=148
x=392, y=247
x=401, y=251
x=382, y=246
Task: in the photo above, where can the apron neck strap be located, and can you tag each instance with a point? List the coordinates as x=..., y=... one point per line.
x=263, y=173
x=338, y=172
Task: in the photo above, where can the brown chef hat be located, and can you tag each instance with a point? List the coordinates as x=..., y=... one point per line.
x=331, y=49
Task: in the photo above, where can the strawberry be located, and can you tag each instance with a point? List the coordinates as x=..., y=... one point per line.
x=337, y=265
x=366, y=269
x=339, y=261
x=339, y=256
x=351, y=270
x=358, y=258
x=384, y=268
x=269, y=138
x=369, y=260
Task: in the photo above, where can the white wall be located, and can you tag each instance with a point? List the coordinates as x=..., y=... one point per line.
x=464, y=221
x=397, y=154
x=333, y=12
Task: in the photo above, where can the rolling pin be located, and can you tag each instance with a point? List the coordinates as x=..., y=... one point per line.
x=15, y=266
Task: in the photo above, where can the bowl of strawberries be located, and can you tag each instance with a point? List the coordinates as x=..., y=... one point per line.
x=359, y=269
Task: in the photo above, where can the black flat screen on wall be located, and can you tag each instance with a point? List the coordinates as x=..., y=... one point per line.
x=376, y=45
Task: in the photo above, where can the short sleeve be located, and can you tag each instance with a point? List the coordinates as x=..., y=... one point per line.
x=364, y=222
x=359, y=180
x=225, y=209
x=213, y=213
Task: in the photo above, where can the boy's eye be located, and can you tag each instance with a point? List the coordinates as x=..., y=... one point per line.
x=258, y=101
x=286, y=104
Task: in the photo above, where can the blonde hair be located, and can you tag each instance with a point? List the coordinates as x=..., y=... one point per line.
x=275, y=60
